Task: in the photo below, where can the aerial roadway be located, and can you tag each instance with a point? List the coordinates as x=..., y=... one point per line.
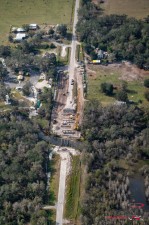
x=69, y=105
x=72, y=65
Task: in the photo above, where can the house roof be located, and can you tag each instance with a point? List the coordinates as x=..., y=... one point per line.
x=32, y=26
x=20, y=36
x=20, y=29
x=20, y=77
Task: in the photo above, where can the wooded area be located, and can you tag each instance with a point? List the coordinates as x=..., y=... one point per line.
x=24, y=159
x=113, y=133
x=122, y=37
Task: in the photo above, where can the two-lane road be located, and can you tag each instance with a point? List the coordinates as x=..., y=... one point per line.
x=63, y=169
x=72, y=58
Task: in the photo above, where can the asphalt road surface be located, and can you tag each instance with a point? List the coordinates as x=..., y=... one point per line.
x=69, y=103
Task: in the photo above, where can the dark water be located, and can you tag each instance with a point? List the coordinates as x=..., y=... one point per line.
x=137, y=189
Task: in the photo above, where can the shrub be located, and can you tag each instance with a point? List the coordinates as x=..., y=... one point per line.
x=146, y=83
x=122, y=96
x=146, y=95
x=107, y=88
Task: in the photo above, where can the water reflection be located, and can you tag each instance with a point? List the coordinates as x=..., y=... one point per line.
x=137, y=189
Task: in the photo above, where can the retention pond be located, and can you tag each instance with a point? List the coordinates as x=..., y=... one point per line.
x=137, y=189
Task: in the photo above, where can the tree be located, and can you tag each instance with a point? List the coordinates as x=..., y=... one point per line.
x=51, y=31
x=51, y=73
x=27, y=88
x=25, y=27
x=124, y=85
x=93, y=55
x=10, y=38
x=122, y=96
x=5, y=51
x=3, y=91
x=52, y=46
x=146, y=83
x=47, y=61
x=3, y=72
x=146, y=95
x=107, y=88
x=62, y=30
x=26, y=47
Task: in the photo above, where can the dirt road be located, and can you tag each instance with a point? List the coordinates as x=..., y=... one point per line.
x=64, y=170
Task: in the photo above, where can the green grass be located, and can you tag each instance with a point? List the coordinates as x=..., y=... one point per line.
x=135, y=92
x=132, y=8
x=75, y=90
x=79, y=53
x=73, y=190
x=94, y=83
x=54, y=167
x=63, y=60
x=4, y=107
x=18, y=12
x=19, y=97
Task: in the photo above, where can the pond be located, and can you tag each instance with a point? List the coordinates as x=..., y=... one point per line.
x=137, y=189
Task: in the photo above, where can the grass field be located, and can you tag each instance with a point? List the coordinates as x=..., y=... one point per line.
x=73, y=190
x=79, y=53
x=132, y=8
x=18, y=12
x=54, y=180
x=135, y=88
x=54, y=167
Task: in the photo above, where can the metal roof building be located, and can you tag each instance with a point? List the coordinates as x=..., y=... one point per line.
x=20, y=37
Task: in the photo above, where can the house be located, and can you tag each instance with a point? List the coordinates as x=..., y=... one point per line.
x=50, y=81
x=20, y=30
x=42, y=76
x=100, y=54
x=20, y=77
x=20, y=37
x=33, y=26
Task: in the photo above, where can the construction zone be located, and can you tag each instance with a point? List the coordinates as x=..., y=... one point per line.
x=66, y=120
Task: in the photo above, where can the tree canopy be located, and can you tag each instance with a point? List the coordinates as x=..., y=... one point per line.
x=123, y=37
x=23, y=158
x=114, y=134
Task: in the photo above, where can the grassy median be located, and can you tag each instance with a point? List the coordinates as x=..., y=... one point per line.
x=73, y=190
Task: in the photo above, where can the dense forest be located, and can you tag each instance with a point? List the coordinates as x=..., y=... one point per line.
x=23, y=164
x=115, y=135
x=122, y=37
